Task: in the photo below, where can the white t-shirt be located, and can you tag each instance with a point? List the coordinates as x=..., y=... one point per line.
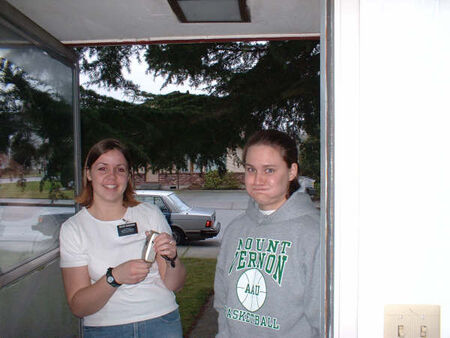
x=85, y=240
x=267, y=212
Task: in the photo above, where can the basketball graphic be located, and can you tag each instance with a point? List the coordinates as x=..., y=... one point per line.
x=251, y=289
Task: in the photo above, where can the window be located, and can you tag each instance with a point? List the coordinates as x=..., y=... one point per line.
x=36, y=153
x=160, y=203
x=179, y=204
x=154, y=200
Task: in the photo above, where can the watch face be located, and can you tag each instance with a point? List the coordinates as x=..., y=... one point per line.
x=110, y=279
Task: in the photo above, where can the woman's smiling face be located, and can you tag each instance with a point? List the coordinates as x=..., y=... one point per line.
x=267, y=176
x=109, y=177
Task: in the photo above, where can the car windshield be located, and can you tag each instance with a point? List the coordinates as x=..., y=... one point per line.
x=179, y=204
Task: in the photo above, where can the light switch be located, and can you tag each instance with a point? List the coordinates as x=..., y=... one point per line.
x=412, y=321
x=423, y=331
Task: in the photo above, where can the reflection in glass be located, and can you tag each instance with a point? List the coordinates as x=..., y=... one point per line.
x=36, y=150
x=27, y=231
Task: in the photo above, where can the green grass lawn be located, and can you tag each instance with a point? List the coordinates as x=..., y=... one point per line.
x=30, y=190
x=198, y=287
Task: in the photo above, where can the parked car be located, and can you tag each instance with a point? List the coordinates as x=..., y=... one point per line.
x=187, y=223
x=50, y=224
x=307, y=185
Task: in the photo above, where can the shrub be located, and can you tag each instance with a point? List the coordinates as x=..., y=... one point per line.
x=214, y=181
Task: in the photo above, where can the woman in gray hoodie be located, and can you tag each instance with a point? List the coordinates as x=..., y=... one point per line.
x=267, y=280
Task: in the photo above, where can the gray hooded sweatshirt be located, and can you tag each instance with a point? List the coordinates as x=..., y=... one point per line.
x=267, y=280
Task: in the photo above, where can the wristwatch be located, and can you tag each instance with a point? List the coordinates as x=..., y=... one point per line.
x=110, y=278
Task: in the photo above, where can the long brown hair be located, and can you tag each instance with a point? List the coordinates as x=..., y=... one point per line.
x=281, y=141
x=86, y=198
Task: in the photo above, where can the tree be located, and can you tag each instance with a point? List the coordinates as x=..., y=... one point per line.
x=164, y=131
x=271, y=84
x=32, y=115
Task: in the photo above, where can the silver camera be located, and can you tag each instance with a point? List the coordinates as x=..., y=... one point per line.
x=148, y=253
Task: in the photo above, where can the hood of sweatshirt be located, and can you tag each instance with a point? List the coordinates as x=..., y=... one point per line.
x=297, y=205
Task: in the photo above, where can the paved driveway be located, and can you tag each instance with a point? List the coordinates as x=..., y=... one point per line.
x=228, y=205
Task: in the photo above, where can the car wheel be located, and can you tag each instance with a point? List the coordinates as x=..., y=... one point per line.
x=178, y=235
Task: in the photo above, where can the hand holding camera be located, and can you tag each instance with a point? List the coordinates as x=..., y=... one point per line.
x=162, y=244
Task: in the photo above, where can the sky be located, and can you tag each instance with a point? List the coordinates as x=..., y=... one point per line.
x=145, y=81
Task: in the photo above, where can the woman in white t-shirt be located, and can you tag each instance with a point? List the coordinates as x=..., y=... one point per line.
x=107, y=282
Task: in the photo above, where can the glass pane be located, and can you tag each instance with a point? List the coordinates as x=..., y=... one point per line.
x=160, y=203
x=143, y=198
x=36, y=150
x=179, y=204
x=207, y=10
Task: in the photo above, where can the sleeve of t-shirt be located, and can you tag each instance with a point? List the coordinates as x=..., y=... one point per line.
x=71, y=249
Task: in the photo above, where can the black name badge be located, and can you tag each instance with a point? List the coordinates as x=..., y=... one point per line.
x=127, y=229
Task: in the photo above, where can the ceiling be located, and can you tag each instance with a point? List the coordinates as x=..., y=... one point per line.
x=97, y=22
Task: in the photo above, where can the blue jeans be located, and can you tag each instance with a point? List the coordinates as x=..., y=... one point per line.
x=167, y=326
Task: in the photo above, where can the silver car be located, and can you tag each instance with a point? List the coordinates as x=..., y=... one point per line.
x=187, y=223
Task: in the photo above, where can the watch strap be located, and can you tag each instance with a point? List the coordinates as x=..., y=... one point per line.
x=110, y=278
x=171, y=260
